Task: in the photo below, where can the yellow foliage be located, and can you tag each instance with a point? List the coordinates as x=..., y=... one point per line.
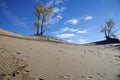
x=37, y=24
x=110, y=22
x=43, y=13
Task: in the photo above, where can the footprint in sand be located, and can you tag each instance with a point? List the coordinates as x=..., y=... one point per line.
x=60, y=50
x=86, y=77
x=101, y=74
x=118, y=75
x=64, y=77
x=18, y=53
x=2, y=76
x=41, y=79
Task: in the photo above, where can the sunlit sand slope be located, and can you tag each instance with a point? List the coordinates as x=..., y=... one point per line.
x=24, y=59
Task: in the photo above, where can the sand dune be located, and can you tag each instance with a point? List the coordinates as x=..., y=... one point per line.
x=30, y=37
x=24, y=59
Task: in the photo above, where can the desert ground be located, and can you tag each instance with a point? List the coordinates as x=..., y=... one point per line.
x=43, y=58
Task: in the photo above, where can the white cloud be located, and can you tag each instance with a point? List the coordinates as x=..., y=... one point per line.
x=82, y=41
x=73, y=21
x=55, y=19
x=87, y=17
x=75, y=30
x=56, y=16
x=59, y=17
x=78, y=40
x=48, y=4
x=81, y=31
x=58, y=1
x=71, y=41
x=72, y=35
x=62, y=9
x=56, y=10
x=65, y=29
x=66, y=35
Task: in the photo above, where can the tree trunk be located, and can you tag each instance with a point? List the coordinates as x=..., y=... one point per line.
x=41, y=33
x=107, y=37
x=38, y=26
x=37, y=30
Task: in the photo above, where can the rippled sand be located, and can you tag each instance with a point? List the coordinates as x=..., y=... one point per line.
x=28, y=58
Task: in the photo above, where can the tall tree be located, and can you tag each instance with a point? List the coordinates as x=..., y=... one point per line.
x=43, y=13
x=108, y=29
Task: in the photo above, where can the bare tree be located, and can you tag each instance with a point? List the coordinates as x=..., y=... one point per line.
x=43, y=13
x=108, y=29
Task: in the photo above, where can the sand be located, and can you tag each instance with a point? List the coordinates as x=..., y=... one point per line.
x=33, y=59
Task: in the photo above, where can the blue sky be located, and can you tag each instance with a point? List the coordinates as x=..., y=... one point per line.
x=78, y=21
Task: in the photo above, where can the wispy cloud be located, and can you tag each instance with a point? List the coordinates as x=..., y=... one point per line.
x=62, y=8
x=82, y=31
x=71, y=34
x=59, y=17
x=75, y=21
x=69, y=40
x=58, y=1
x=78, y=41
x=16, y=21
x=67, y=29
x=57, y=10
x=65, y=35
x=55, y=19
x=3, y=4
x=87, y=17
x=75, y=30
x=82, y=41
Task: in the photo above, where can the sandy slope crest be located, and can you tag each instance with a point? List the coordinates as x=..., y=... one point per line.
x=57, y=61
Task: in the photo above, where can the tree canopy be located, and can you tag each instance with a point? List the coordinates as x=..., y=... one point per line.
x=108, y=29
x=42, y=13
